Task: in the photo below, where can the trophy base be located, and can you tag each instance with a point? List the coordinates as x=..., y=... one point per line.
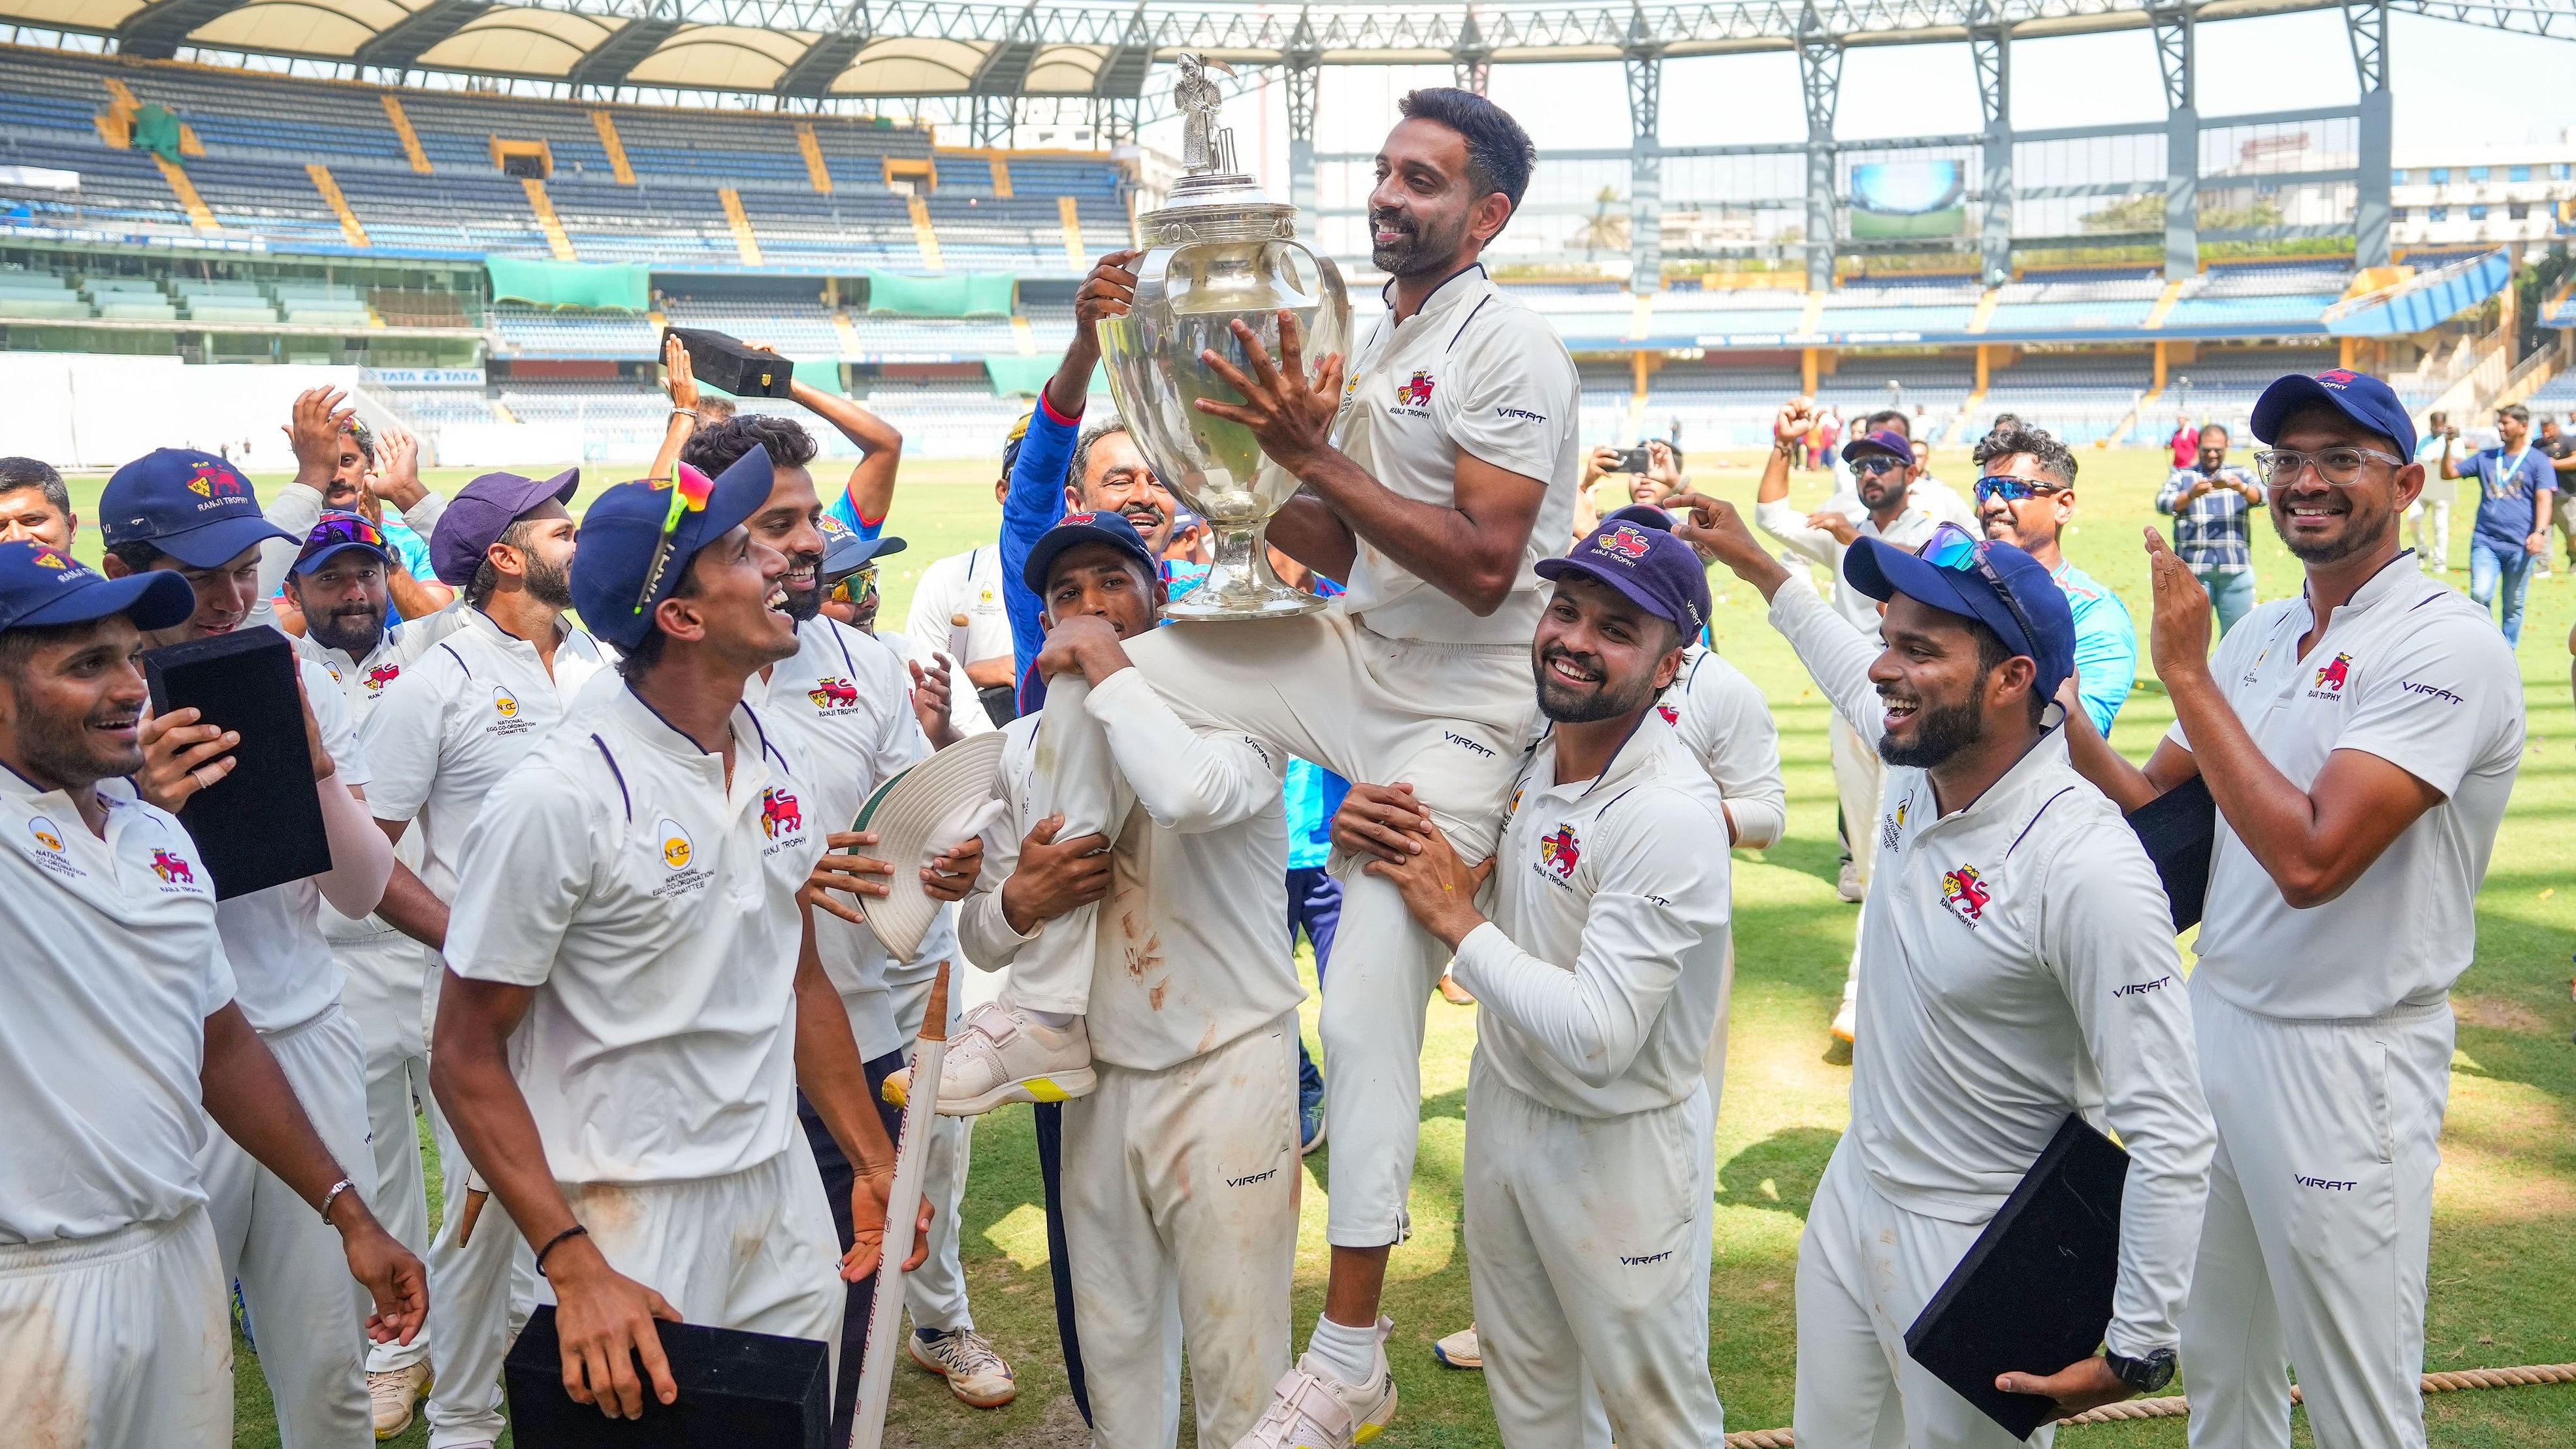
x=1281, y=603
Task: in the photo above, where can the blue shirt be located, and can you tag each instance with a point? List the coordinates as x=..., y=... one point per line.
x=848, y=513
x=2106, y=645
x=1034, y=504
x=2509, y=489
x=1313, y=794
x=401, y=537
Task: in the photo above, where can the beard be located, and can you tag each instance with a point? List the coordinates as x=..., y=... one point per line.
x=1940, y=732
x=354, y=631
x=2364, y=527
x=1607, y=700
x=1881, y=491
x=548, y=581
x=79, y=757
x=803, y=605
x=1415, y=249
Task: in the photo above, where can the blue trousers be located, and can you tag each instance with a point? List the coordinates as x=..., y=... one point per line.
x=2230, y=596
x=2493, y=569
x=1315, y=903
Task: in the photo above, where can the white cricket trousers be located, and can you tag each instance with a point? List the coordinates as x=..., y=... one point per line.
x=1450, y=719
x=481, y=1290
x=123, y=1341
x=753, y=1250
x=1587, y=1257
x=383, y=997
x=1858, y=775
x=1180, y=1225
x=307, y=1315
x=2313, y=1250
x=1866, y=1267
x=936, y=1291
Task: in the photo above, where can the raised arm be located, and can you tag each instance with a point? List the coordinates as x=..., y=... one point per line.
x=681, y=383
x=870, y=492
x=1771, y=510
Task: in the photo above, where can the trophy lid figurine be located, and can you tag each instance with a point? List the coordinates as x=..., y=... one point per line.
x=1217, y=251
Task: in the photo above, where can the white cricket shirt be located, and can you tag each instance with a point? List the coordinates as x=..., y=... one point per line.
x=654, y=910
x=1726, y=724
x=114, y=964
x=844, y=705
x=1477, y=372
x=968, y=583
x=1598, y=976
x=2410, y=671
x=458, y=720
x=2017, y=964
x=362, y=683
x=1926, y=494
x=1786, y=523
x=282, y=965
x=1193, y=950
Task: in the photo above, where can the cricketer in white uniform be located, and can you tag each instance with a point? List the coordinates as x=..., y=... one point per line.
x=2361, y=741
x=1445, y=468
x=2019, y=966
x=338, y=583
x=442, y=736
x=1179, y=1186
x=1599, y=979
x=968, y=583
x=175, y=509
x=844, y=703
x=121, y=1041
x=644, y=1138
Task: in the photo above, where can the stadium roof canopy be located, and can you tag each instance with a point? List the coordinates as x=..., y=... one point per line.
x=896, y=48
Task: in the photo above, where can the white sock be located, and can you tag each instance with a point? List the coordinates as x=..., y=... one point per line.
x=1347, y=1353
x=1053, y=1020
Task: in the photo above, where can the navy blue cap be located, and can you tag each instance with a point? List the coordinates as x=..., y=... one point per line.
x=336, y=533
x=623, y=530
x=1075, y=529
x=193, y=506
x=1656, y=571
x=481, y=512
x=41, y=586
x=1886, y=440
x=2357, y=395
x=1645, y=515
x=1882, y=571
x=845, y=552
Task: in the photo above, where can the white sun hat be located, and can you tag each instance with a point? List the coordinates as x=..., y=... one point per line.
x=954, y=794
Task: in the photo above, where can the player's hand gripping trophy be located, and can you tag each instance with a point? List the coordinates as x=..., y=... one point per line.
x=1218, y=252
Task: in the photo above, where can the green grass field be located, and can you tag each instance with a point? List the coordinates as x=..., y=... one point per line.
x=2505, y=1206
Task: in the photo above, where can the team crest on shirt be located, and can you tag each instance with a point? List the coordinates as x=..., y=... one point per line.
x=1671, y=715
x=508, y=718
x=384, y=674
x=780, y=814
x=679, y=857
x=2331, y=677
x=47, y=839
x=836, y=695
x=173, y=868
x=47, y=835
x=1965, y=893
x=1560, y=852
x=1415, y=396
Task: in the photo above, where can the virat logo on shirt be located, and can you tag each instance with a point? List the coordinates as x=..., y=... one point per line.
x=2330, y=678
x=1560, y=852
x=1964, y=892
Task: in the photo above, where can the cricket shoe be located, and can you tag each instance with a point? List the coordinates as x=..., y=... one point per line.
x=393, y=1395
x=1847, y=884
x=1460, y=1350
x=975, y=1374
x=1003, y=1054
x=1311, y=1409
x=1453, y=993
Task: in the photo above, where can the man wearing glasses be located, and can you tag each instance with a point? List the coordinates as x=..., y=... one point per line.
x=2021, y=967
x=2212, y=503
x=1883, y=474
x=2026, y=496
x=2361, y=740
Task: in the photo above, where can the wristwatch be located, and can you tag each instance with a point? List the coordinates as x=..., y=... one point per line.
x=2147, y=1374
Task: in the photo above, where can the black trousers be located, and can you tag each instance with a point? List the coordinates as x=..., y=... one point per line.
x=838, y=1178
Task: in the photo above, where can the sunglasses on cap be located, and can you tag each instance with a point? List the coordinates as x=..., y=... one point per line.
x=1954, y=548
x=2013, y=490
x=336, y=529
x=854, y=586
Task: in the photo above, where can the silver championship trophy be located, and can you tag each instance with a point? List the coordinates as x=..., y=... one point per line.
x=1218, y=251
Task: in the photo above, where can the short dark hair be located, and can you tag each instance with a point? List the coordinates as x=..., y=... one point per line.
x=1992, y=651
x=1903, y=423
x=2054, y=458
x=2515, y=411
x=1082, y=446
x=139, y=555
x=2004, y=422
x=2219, y=428
x=1499, y=154
x=711, y=450
x=639, y=661
x=479, y=589
x=19, y=473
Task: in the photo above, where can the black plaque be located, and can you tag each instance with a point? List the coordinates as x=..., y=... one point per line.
x=729, y=366
x=2179, y=828
x=261, y=825
x=737, y=1391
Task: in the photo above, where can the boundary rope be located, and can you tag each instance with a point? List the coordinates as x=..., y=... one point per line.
x=2177, y=1406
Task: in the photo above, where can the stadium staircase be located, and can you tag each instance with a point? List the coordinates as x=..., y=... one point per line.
x=350, y=226
x=404, y=133
x=746, y=245
x=552, y=225
x=614, y=145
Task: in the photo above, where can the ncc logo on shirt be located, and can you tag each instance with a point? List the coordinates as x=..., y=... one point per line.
x=1892, y=827
x=2331, y=677
x=677, y=849
x=836, y=695
x=1965, y=893
x=507, y=718
x=47, y=839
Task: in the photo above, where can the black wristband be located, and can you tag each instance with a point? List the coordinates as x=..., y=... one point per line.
x=575, y=1231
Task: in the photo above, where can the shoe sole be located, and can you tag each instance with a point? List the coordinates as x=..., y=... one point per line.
x=1055, y=1087
x=1314, y=1142
x=1370, y=1427
x=912, y=1346
x=1476, y=1364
